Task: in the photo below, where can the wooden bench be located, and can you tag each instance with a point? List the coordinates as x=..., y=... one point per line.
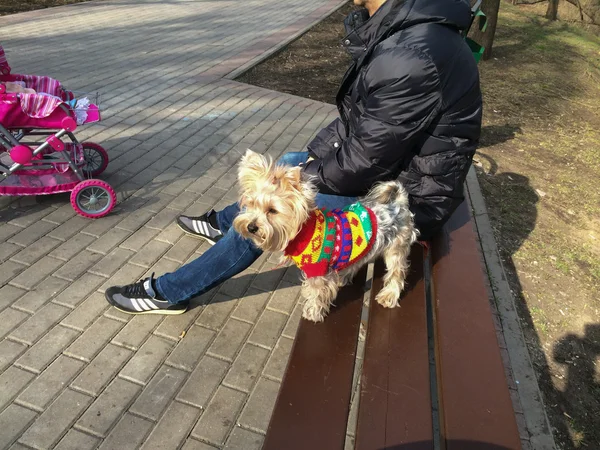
x=432, y=373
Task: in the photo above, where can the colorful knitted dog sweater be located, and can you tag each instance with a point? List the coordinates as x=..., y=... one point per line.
x=333, y=239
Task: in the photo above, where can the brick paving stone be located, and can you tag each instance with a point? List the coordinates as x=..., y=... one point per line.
x=146, y=360
x=230, y=339
x=32, y=233
x=9, y=270
x=36, y=273
x=77, y=265
x=139, y=238
x=172, y=326
x=9, y=351
x=251, y=306
x=72, y=247
x=7, y=250
x=77, y=291
x=215, y=314
x=192, y=444
x=244, y=439
x=8, y=295
x=13, y=421
x=161, y=267
x=29, y=255
x=257, y=412
x=284, y=298
x=163, y=218
x=94, y=339
x=246, y=368
x=218, y=419
x=182, y=250
x=108, y=407
x=129, y=433
x=55, y=421
x=76, y=440
x=70, y=228
x=86, y=312
x=12, y=381
x=278, y=362
x=137, y=330
x=39, y=323
x=268, y=328
x=268, y=278
x=112, y=262
x=9, y=319
x=171, y=234
x=190, y=348
x=237, y=286
x=50, y=383
x=44, y=292
x=102, y=369
x=7, y=230
x=173, y=428
x=47, y=348
x=292, y=325
x=159, y=392
x=203, y=381
x=151, y=253
x=105, y=243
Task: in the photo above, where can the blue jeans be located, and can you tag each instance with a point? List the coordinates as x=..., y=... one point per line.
x=231, y=254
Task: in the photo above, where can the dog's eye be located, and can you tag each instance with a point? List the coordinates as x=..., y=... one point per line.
x=272, y=211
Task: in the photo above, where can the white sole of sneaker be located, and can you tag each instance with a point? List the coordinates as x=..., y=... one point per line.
x=164, y=312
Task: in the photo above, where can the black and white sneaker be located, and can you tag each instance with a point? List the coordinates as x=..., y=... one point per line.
x=141, y=298
x=204, y=226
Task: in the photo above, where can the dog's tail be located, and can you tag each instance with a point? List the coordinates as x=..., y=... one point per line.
x=388, y=192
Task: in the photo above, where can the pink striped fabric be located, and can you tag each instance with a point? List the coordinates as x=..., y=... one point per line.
x=39, y=105
x=4, y=67
x=44, y=85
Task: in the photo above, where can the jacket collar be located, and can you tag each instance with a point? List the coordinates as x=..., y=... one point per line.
x=363, y=32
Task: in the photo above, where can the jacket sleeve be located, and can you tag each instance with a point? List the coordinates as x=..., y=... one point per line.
x=403, y=97
x=323, y=142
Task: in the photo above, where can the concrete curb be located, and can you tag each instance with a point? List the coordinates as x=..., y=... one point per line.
x=536, y=419
x=267, y=54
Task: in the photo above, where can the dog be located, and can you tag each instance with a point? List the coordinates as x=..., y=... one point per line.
x=278, y=214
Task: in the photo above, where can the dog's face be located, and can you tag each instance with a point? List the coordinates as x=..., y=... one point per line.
x=275, y=202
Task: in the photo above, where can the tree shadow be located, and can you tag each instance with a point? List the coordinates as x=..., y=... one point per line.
x=512, y=201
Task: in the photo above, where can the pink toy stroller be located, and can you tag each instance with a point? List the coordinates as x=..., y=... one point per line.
x=41, y=107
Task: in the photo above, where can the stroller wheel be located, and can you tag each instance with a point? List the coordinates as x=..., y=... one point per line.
x=95, y=159
x=93, y=199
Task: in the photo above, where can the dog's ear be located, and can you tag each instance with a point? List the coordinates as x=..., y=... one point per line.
x=293, y=175
x=252, y=167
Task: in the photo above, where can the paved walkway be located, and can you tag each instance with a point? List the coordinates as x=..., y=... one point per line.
x=76, y=374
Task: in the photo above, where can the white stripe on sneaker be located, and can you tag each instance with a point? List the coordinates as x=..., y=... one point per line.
x=135, y=305
x=205, y=229
x=150, y=303
x=195, y=226
x=142, y=303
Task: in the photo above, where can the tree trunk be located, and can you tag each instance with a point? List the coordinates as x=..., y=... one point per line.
x=486, y=39
x=552, y=11
x=580, y=10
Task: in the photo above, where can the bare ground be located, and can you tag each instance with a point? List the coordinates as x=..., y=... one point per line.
x=16, y=6
x=539, y=166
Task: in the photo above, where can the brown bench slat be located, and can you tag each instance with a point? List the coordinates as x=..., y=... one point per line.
x=395, y=400
x=311, y=411
x=475, y=404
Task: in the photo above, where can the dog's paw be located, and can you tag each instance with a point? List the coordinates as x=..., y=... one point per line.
x=313, y=313
x=388, y=298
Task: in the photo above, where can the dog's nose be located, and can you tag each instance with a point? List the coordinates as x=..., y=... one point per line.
x=252, y=228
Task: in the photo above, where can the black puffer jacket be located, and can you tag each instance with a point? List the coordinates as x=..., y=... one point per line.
x=410, y=108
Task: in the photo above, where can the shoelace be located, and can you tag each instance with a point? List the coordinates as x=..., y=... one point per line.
x=136, y=290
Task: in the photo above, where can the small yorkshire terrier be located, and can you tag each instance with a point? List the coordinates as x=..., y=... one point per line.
x=278, y=213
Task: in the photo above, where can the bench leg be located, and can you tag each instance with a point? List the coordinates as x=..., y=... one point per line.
x=396, y=263
x=319, y=293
